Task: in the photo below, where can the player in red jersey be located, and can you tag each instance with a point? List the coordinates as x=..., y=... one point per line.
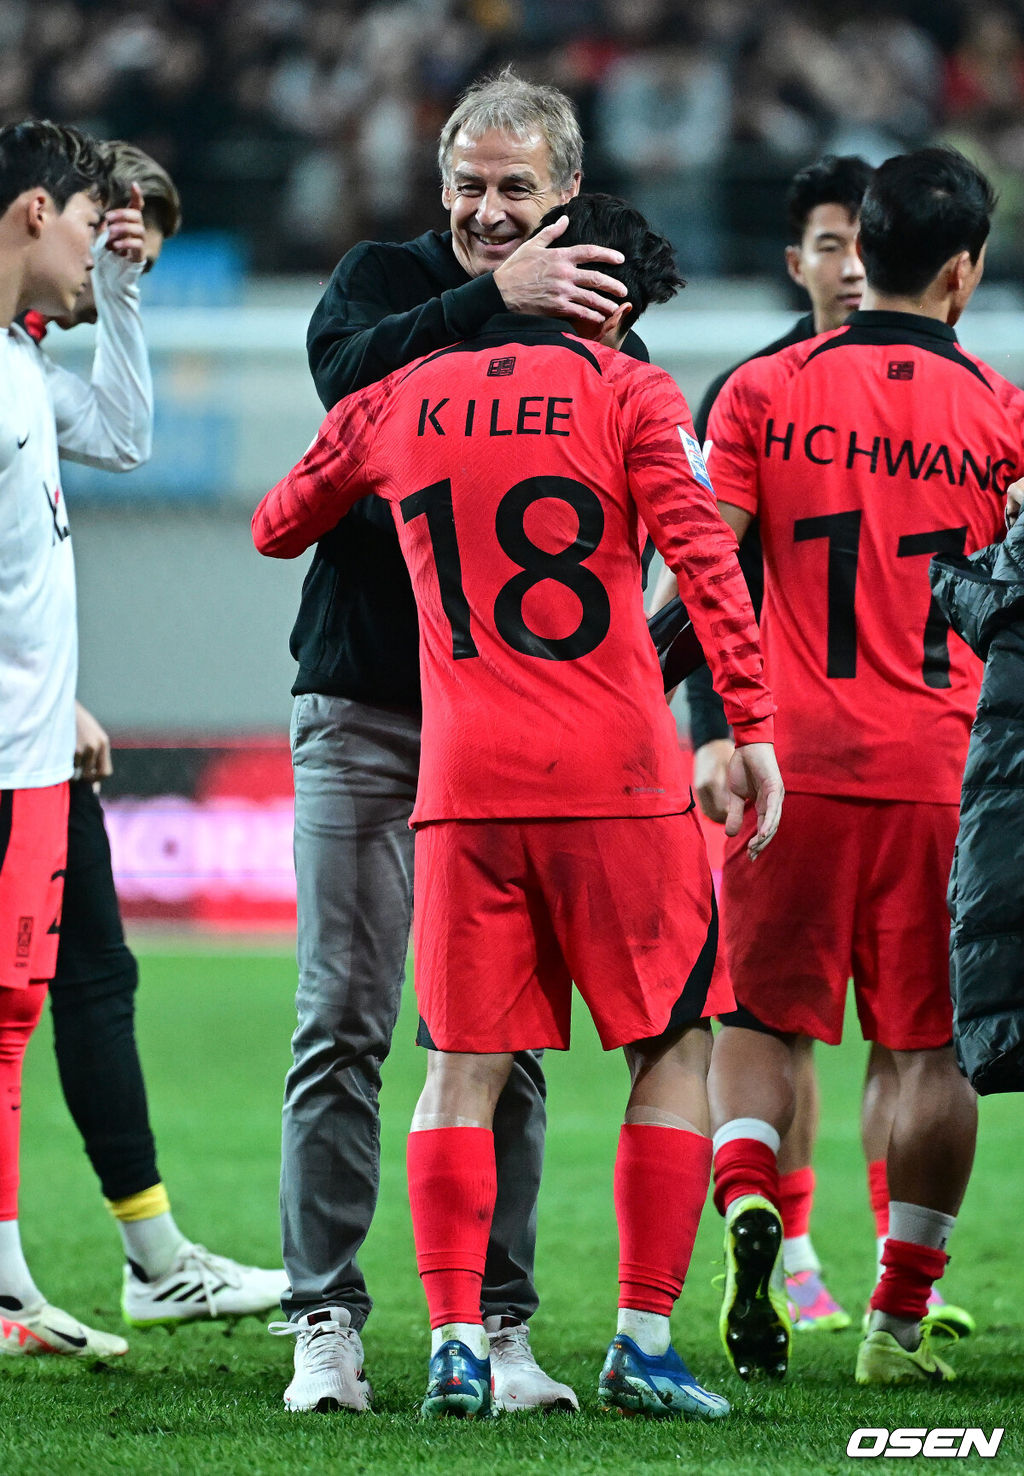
x=555, y=831
x=823, y=210
x=862, y=452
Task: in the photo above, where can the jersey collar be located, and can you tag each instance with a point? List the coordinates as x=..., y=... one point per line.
x=502, y=324
x=913, y=323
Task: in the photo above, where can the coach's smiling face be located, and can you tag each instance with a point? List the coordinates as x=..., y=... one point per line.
x=499, y=188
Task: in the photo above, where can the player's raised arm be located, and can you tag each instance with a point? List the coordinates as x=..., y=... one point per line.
x=319, y=489
x=107, y=420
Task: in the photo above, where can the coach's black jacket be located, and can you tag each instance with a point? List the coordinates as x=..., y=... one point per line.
x=386, y=304
x=983, y=598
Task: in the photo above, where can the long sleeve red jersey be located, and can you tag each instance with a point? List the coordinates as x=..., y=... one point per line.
x=521, y=467
x=864, y=452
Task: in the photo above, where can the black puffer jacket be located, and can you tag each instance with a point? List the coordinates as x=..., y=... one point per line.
x=983, y=599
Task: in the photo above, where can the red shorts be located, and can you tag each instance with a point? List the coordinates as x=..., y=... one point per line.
x=847, y=887
x=510, y=912
x=33, y=850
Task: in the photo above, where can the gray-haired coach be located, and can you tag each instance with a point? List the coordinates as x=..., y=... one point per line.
x=509, y=153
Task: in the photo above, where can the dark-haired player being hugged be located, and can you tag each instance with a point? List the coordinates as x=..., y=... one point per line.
x=862, y=453
x=555, y=834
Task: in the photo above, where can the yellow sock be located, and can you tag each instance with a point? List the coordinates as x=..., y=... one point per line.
x=145, y=1205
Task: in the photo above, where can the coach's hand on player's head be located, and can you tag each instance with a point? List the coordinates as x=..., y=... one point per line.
x=754, y=775
x=92, y=747
x=126, y=231
x=555, y=281
x=1014, y=501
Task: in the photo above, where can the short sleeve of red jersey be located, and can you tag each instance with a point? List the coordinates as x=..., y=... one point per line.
x=332, y=476
x=732, y=439
x=670, y=484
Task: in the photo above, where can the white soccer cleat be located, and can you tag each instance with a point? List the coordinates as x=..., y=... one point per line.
x=519, y=1380
x=200, y=1287
x=328, y=1363
x=51, y=1330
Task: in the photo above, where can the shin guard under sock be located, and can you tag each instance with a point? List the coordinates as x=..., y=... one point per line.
x=452, y=1185
x=661, y=1183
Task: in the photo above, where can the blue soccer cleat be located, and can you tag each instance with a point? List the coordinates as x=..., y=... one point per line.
x=656, y=1384
x=458, y=1385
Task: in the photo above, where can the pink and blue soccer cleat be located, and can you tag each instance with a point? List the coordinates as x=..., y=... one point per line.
x=812, y=1307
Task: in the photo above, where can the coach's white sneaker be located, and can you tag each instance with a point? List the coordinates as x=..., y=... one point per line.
x=328, y=1362
x=51, y=1330
x=200, y=1286
x=519, y=1380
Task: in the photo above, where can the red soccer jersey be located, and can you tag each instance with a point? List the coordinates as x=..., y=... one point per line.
x=519, y=467
x=864, y=452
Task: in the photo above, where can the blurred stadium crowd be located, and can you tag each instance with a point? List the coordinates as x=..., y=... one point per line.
x=306, y=125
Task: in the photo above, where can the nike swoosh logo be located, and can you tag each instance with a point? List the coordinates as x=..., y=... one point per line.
x=75, y=1342
x=21, y=443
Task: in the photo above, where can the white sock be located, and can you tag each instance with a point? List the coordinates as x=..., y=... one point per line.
x=18, y=1292
x=879, y=1248
x=798, y=1254
x=470, y=1333
x=920, y=1225
x=649, y=1330
x=907, y=1333
x=152, y=1245
x=747, y=1127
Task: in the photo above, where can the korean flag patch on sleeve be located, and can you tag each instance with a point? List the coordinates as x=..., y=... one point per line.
x=693, y=454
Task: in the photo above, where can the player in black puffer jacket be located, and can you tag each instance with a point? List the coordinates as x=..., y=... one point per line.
x=983, y=599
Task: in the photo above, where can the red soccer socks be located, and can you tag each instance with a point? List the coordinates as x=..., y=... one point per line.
x=909, y=1271
x=451, y=1194
x=796, y=1200
x=878, y=1194
x=745, y=1166
x=661, y=1183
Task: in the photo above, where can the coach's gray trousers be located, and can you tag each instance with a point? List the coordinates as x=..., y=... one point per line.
x=355, y=782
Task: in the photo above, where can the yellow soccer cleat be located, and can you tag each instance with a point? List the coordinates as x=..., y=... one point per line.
x=882, y=1360
x=754, y=1322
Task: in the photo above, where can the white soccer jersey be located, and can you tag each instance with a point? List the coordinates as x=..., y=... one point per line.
x=38, y=636
x=105, y=421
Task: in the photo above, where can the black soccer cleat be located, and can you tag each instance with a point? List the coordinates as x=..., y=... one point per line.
x=754, y=1322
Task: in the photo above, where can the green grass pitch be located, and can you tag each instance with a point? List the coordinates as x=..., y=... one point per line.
x=214, y=1030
